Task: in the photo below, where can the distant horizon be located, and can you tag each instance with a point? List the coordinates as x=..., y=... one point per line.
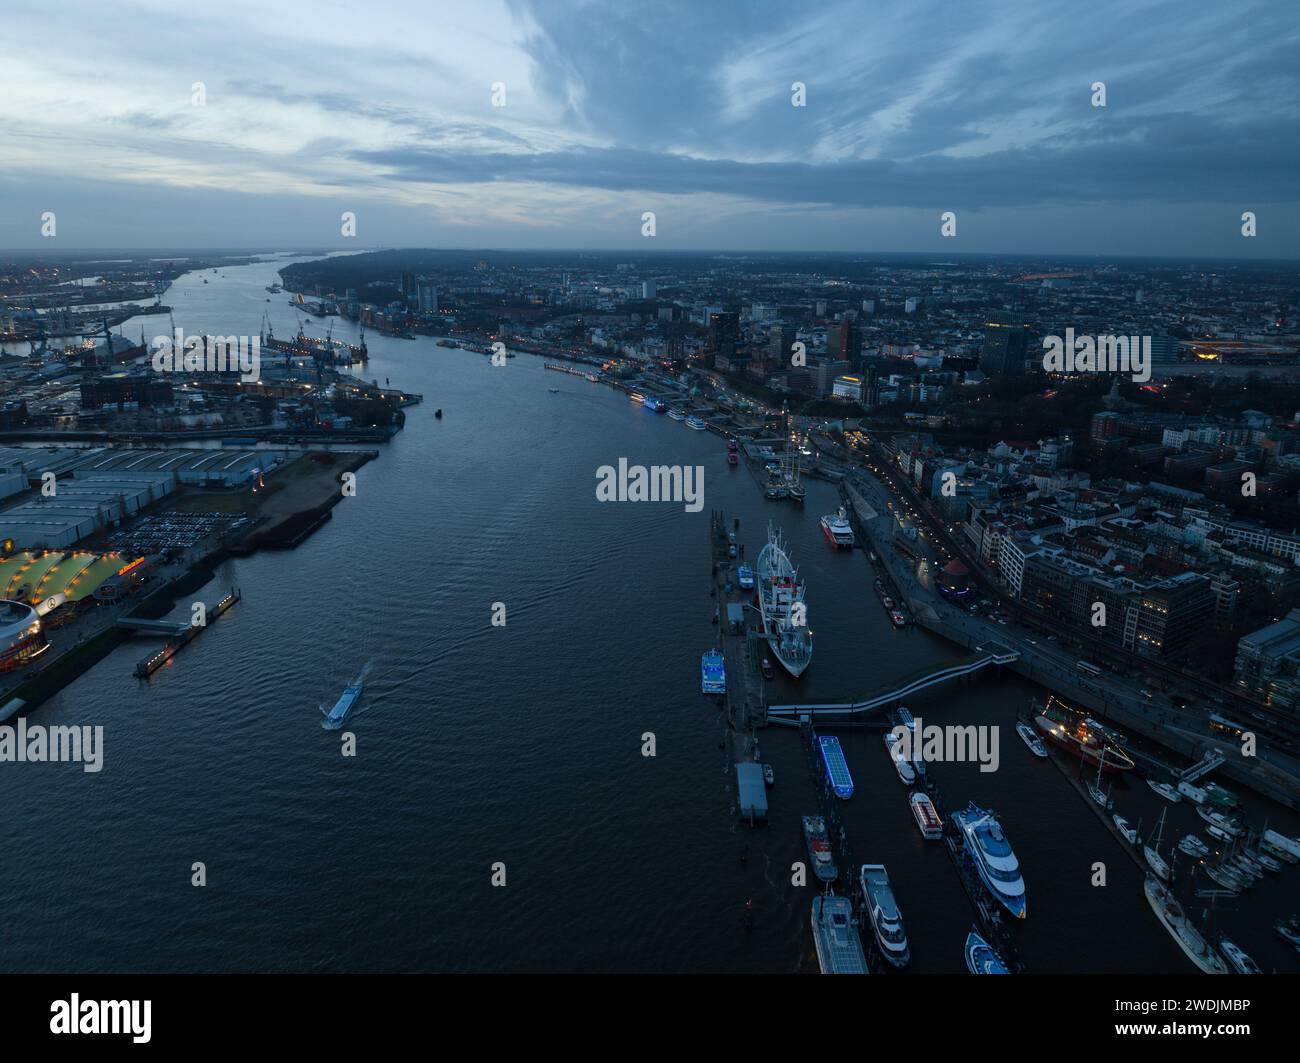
x=1137, y=128
x=633, y=251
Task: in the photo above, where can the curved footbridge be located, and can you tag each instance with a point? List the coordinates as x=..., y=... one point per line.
x=990, y=653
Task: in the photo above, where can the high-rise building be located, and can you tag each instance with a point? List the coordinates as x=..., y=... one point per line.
x=648, y=289
x=1005, y=348
x=841, y=341
x=724, y=333
x=428, y=298
x=780, y=339
x=409, y=288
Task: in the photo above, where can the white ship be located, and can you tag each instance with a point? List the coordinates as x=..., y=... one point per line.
x=1174, y=919
x=781, y=603
x=838, y=530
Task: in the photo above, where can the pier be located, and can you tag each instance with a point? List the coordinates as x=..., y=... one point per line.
x=994, y=654
x=182, y=634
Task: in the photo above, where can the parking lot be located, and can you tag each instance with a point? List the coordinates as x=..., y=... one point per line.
x=161, y=532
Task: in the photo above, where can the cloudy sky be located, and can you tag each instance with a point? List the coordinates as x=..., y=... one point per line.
x=682, y=108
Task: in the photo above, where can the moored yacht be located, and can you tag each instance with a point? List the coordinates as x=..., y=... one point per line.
x=927, y=819
x=1175, y=920
x=1030, y=739
x=886, y=919
x=1237, y=958
x=698, y=423
x=994, y=859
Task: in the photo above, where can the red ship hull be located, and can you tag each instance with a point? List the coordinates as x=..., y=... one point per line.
x=1059, y=734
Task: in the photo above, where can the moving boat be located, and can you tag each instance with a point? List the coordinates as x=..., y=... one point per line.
x=818, y=844
x=1166, y=791
x=347, y=700
x=994, y=859
x=697, y=423
x=980, y=956
x=745, y=577
x=835, y=934
x=1128, y=832
x=1175, y=920
x=781, y=604
x=837, y=768
x=1151, y=852
x=1194, y=847
x=838, y=530
x=1237, y=958
x=1085, y=739
x=713, y=673
x=927, y=819
x=1032, y=740
x=886, y=919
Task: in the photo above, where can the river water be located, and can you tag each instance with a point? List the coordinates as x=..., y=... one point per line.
x=520, y=744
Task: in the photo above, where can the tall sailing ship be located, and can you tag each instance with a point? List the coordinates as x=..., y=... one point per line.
x=781, y=603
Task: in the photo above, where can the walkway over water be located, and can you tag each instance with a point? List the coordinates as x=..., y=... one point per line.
x=988, y=654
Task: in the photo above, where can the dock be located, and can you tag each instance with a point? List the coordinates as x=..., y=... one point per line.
x=181, y=634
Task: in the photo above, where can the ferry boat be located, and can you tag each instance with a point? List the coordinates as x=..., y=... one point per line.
x=1237, y=958
x=1166, y=791
x=1175, y=920
x=994, y=859
x=713, y=673
x=697, y=423
x=927, y=819
x=676, y=414
x=1194, y=847
x=1030, y=739
x=838, y=530
x=657, y=405
x=837, y=768
x=1218, y=819
x=347, y=701
x=835, y=933
x=886, y=919
x=636, y=396
x=818, y=843
x=745, y=577
x=981, y=957
x=1086, y=741
x=897, y=619
x=781, y=605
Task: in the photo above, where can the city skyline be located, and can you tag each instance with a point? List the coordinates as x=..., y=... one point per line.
x=604, y=115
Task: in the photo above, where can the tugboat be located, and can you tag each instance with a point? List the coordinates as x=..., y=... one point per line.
x=818, y=844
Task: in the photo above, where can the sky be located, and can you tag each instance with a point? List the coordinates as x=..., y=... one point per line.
x=522, y=124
